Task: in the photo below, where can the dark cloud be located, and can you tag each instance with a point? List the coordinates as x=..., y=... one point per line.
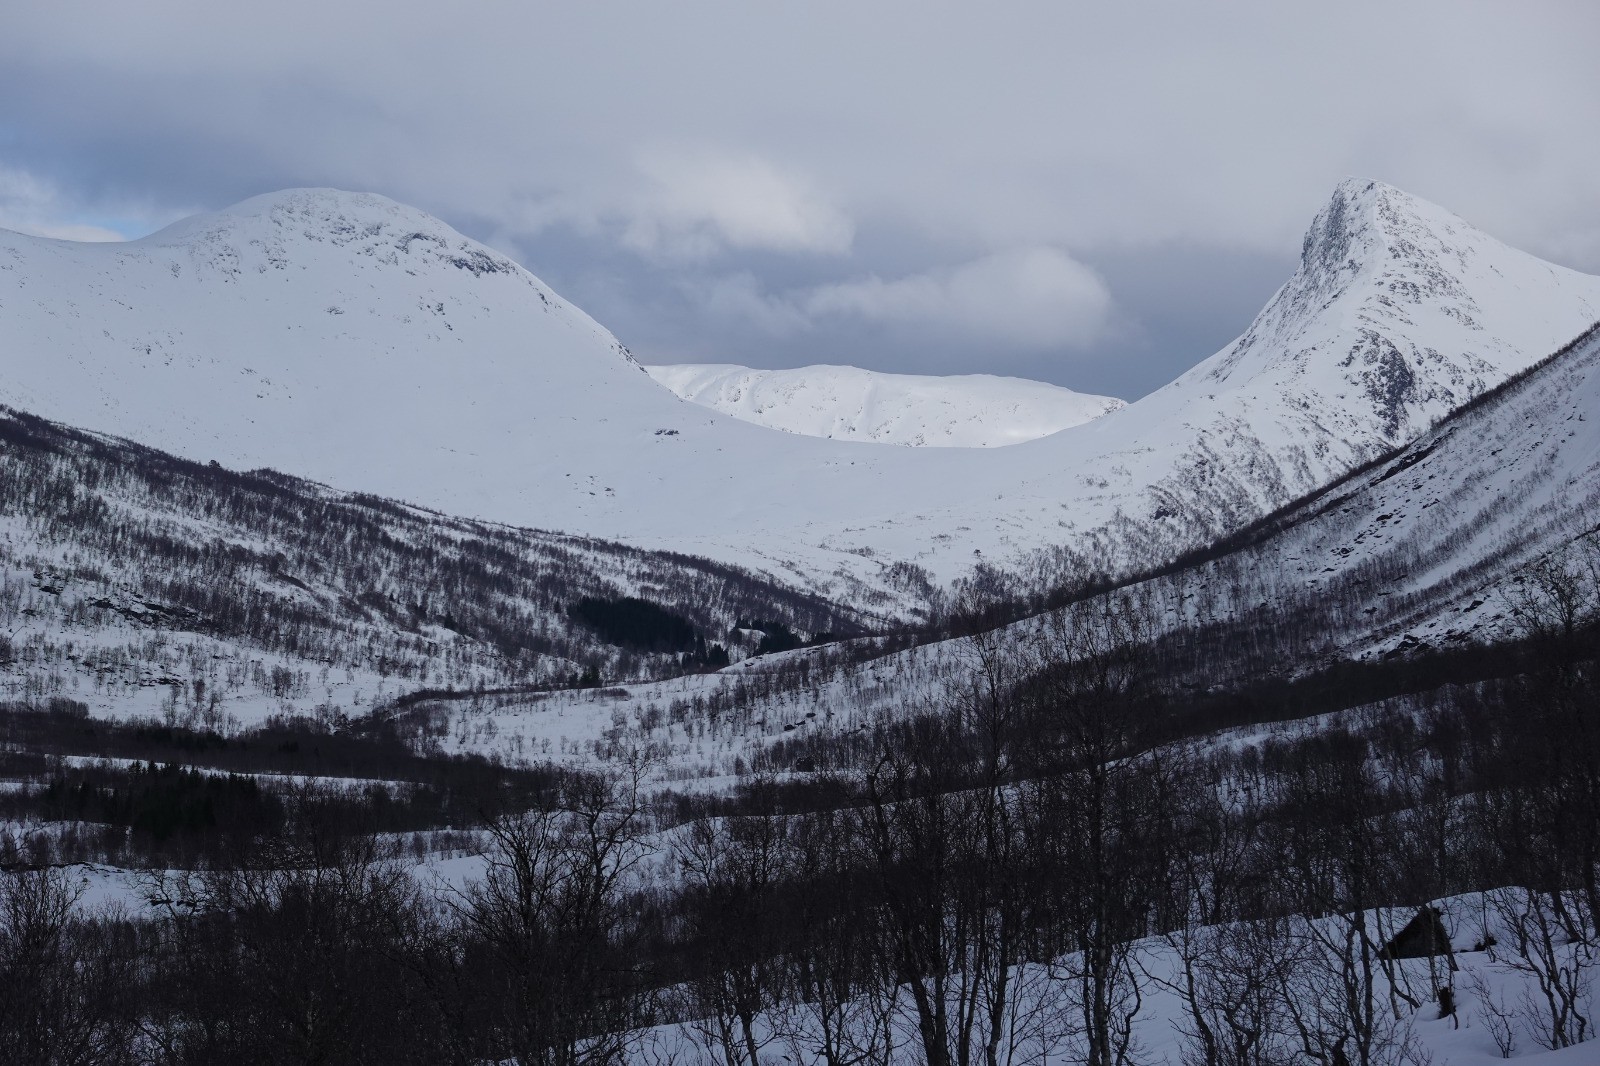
x=1097, y=195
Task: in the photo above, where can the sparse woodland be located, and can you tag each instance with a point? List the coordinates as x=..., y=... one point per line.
x=1256, y=726
x=124, y=569
x=1088, y=818
x=1009, y=873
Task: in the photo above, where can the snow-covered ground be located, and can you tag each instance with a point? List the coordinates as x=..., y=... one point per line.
x=1419, y=550
x=920, y=411
x=346, y=338
x=702, y=728
x=1492, y=988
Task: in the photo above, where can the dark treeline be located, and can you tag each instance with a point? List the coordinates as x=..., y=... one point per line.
x=30, y=734
x=636, y=623
x=422, y=717
x=643, y=625
x=976, y=897
x=147, y=815
x=1201, y=709
x=143, y=794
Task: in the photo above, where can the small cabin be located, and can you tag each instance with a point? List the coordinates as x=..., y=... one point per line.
x=1423, y=937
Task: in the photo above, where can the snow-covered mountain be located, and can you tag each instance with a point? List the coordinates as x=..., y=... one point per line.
x=137, y=583
x=848, y=403
x=1399, y=313
x=1422, y=550
x=345, y=338
x=1406, y=393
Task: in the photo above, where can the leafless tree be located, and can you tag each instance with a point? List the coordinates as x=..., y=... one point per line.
x=1099, y=812
x=1561, y=960
x=732, y=872
x=62, y=978
x=551, y=917
x=843, y=991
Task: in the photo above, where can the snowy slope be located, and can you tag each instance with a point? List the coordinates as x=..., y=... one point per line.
x=1417, y=550
x=137, y=583
x=330, y=334
x=848, y=403
x=348, y=339
x=1421, y=548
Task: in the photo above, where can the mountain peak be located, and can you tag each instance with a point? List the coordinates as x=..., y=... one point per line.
x=1402, y=302
x=1339, y=227
x=266, y=227
x=1360, y=226
x=315, y=205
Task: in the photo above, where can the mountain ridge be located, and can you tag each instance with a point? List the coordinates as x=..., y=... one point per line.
x=914, y=410
x=350, y=340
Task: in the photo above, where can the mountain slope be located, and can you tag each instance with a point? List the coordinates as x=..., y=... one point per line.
x=1424, y=547
x=1421, y=550
x=848, y=403
x=348, y=339
x=136, y=582
x=336, y=335
x=1399, y=313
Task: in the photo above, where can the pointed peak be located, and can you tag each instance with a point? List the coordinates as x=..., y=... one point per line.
x=1363, y=215
x=1360, y=191
x=1371, y=248
x=1337, y=230
x=1361, y=226
x=1354, y=189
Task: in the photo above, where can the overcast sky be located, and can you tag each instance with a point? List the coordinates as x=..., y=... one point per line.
x=1097, y=195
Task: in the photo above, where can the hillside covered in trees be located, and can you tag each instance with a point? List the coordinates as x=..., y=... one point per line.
x=1253, y=723
x=139, y=583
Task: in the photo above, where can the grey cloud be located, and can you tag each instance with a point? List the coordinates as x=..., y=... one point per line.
x=31, y=205
x=701, y=202
x=1026, y=297
x=690, y=172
